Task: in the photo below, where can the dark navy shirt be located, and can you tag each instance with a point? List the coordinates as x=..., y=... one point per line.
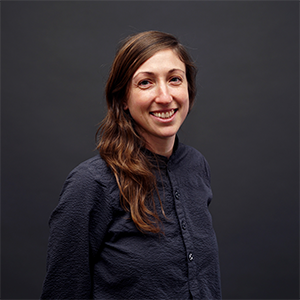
x=96, y=252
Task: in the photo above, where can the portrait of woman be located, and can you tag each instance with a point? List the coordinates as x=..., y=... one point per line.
x=150, y=150
x=133, y=221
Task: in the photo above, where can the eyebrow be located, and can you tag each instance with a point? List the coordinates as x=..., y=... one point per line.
x=152, y=73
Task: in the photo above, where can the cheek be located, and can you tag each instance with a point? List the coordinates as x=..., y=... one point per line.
x=186, y=105
x=185, y=102
x=187, y=109
x=139, y=101
x=137, y=107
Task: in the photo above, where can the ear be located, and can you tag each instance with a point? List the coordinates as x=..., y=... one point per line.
x=125, y=106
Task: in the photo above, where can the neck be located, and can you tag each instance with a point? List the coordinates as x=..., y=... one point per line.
x=161, y=146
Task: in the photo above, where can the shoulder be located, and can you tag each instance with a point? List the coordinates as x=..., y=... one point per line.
x=86, y=187
x=191, y=154
x=193, y=159
x=93, y=169
x=92, y=165
x=90, y=180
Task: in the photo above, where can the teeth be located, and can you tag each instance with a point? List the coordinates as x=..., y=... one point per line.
x=164, y=115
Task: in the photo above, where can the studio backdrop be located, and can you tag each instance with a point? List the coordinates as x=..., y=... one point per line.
x=55, y=61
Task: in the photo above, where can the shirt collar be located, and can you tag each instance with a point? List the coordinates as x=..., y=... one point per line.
x=161, y=160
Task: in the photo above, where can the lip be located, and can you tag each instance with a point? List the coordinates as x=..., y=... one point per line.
x=164, y=111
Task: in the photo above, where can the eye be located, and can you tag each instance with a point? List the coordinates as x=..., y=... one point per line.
x=144, y=83
x=176, y=80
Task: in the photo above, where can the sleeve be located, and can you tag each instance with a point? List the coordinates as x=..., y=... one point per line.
x=69, y=262
x=207, y=171
x=207, y=179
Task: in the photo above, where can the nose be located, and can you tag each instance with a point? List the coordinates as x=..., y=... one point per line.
x=163, y=94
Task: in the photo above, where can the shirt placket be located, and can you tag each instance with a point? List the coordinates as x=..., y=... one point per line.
x=178, y=196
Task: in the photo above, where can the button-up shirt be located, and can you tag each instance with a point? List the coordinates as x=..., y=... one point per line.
x=96, y=251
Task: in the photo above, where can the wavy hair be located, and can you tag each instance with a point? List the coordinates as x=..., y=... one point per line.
x=118, y=142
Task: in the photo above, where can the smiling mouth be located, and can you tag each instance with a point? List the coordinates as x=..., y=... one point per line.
x=164, y=114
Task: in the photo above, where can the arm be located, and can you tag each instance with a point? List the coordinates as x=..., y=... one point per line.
x=69, y=267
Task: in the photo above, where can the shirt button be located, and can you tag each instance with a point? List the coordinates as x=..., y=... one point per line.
x=177, y=195
x=191, y=257
x=183, y=225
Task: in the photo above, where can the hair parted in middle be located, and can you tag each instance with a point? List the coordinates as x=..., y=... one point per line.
x=119, y=144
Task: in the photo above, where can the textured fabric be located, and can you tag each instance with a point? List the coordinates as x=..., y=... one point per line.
x=96, y=252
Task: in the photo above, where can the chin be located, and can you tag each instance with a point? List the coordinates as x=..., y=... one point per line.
x=167, y=135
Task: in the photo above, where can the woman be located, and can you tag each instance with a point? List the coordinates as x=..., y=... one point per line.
x=133, y=222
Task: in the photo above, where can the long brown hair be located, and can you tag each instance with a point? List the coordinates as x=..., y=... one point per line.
x=119, y=143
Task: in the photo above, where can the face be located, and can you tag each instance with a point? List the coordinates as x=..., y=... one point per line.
x=158, y=97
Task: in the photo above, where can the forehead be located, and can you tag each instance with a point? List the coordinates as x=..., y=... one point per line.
x=164, y=59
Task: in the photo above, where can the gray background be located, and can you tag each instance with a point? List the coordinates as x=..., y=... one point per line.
x=55, y=60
